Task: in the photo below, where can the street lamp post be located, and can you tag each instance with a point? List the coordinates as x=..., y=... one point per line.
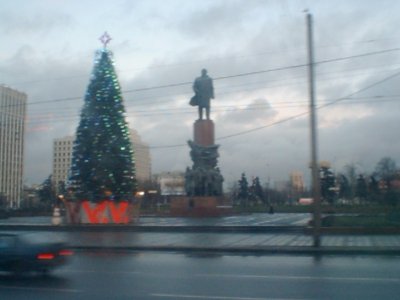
x=313, y=128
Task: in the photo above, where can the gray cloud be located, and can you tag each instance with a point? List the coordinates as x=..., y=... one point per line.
x=215, y=21
x=258, y=113
x=38, y=23
x=227, y=38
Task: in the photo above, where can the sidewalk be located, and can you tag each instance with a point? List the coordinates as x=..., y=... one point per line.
x=256, y=233
x=257, y=243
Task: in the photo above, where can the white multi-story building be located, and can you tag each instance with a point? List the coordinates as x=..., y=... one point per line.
x=62, y=156
x=12, y=132
x=141, y=157
x=62, y=159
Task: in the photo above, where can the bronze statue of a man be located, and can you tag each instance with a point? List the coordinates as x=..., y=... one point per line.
x=204, y=91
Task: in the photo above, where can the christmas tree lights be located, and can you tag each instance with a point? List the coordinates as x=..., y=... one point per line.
x=103, y=167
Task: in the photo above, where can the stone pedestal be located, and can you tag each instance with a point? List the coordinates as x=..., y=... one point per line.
x=203, y=132
x=199, y=207
x=203, y=181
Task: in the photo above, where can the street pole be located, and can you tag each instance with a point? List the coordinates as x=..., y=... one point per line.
x=313, y=127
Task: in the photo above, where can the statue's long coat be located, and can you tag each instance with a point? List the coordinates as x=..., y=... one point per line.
x=204, y=91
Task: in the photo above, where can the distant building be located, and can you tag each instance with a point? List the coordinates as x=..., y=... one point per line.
x=62, y=158
x=325, y=164
x=281, y=185
x=141, y=157
x=297, y=182
x=31, y=198
x=12, y=132
x=171, y=183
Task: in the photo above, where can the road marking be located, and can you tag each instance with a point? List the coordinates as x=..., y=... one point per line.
x=39, y=289
x=78, y=271
x=303, y=221
x=98, y=271
x=176, y=296
x=280, y=277
x=251, y=276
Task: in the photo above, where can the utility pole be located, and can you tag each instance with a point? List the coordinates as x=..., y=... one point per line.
x=316, y=192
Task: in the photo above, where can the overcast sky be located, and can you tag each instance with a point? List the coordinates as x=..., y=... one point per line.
x=261, y=121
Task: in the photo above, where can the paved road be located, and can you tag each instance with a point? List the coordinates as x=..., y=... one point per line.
x=261, y=219
x=222, y=240
x=299, y=219
x=261, y=243
x=163, y=276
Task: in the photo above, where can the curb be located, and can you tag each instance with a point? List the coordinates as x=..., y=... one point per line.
x=156, y=228
x=304, y=250
x=201, y=229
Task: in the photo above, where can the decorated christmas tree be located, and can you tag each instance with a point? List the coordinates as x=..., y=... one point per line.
x=102, y=162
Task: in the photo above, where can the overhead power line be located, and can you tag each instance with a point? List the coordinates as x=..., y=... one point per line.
x=297, y=115
x=349, y=96
x=131, y=107
x=218, y=58
x=222, y=77
x=267, y=71
x=61, y=116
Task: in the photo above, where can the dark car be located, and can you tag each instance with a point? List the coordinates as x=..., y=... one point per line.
x=31, y=252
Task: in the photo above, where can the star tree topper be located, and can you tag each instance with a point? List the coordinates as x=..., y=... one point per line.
x=105, y=39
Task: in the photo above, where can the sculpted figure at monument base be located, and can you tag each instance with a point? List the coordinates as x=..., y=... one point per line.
x=204, y=178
